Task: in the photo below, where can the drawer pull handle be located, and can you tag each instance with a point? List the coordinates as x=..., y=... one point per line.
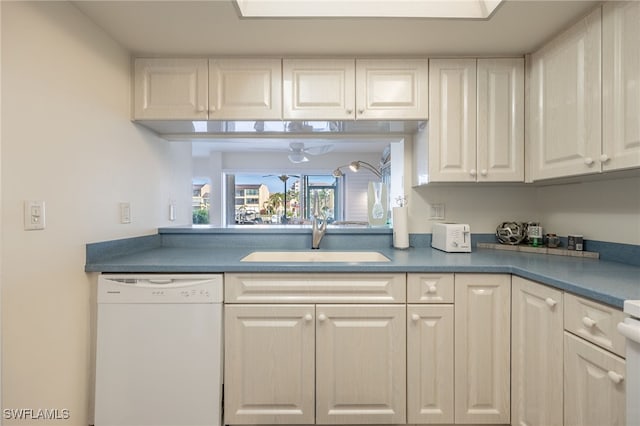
x=432, y=289
x=415, y=317
x=308, y=318
x=615, y=377
x=322, y=317
x=588, y=322
x=549, y=301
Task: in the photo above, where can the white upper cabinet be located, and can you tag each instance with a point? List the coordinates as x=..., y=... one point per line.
x=170, y=89
x=340, y=89
x=500, y=135
x=565, y=103
x=318, y=89
x=476, y=126
x=201, y=89
x=248, y=89
x=452, y=124
x=621, y=85
x=388, y=89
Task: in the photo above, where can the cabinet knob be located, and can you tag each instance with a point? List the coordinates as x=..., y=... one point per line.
x=432, y=289
x=349, y=111
x=415, y=317
x=361, y=111
x=604, y=158
x=201, y=108
x=549, y=301
x=322, y=317
x=615, y=377
x=588, y=322
x=588, y=161
x=473, y=172
x=484, y=172
x=308, y=317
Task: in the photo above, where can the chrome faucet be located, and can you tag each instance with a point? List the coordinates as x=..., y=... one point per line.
x=318, y=230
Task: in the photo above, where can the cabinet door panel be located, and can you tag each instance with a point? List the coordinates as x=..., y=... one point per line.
x=170, y=89
x=537, y=356
x=621, y=85
x=500, y=120
x=392, y=89
x=594, y=385
x=269, y=364
x=482, y=342
x=452, y=125
x=318, y=89
x=565, y=101
x=430, y=364
x=360, y=364
x=248, y=89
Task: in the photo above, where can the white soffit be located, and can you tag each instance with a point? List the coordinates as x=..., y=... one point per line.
x=459, y=9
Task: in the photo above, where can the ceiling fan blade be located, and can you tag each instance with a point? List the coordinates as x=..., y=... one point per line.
x=319, y=150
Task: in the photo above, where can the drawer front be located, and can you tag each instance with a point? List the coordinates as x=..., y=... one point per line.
x=430, y=288
x=315, y=288
x=594, y=322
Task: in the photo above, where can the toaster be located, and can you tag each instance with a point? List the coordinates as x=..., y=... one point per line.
x=451, y=237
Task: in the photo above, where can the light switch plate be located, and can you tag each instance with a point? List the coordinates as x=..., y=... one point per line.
x=436, y=212
x=34, y=217
x=125, y=212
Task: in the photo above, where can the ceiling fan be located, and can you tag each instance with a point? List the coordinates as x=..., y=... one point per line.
x=298, y=152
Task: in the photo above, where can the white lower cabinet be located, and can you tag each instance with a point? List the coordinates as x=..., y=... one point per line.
x=594, y=385
x=313, y=362
x=482, y=348
x=269, y=364
x=430, y=392
x=536, y=354
x=360, y=364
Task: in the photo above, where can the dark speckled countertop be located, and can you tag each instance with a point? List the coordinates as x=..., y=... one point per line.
x=173, y=251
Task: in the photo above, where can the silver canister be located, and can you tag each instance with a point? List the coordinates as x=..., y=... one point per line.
x=575, y=242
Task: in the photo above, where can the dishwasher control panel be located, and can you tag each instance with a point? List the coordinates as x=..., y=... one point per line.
x=183, y=288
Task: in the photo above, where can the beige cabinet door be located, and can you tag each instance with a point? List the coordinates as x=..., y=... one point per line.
x=536, y=354
x=594, y=385
x=452, y=120
x=170, y=89
x=318, y=89
x=360, y=364
x=482, y=348
x=430, y=364
x=269, y=364
x=565, y=102
x=392, y=89
x=247, y=89
x=500, y=134
x=621, y=85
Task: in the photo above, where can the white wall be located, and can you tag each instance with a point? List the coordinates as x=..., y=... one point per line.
x=67, y=140
x=600, y=207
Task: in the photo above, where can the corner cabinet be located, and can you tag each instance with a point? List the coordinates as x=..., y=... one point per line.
x=536, y=354
x=362, y=89
x=565, y=102
x=201, y=89
x=476, y=127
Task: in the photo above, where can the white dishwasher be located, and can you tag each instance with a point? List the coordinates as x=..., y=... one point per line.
x=159, y=350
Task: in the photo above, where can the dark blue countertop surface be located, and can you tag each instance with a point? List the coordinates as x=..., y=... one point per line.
x=604, y=281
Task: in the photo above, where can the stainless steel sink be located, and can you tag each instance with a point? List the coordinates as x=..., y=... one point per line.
x=315, y=256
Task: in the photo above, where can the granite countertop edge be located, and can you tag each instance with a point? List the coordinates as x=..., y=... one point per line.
x=603, y=281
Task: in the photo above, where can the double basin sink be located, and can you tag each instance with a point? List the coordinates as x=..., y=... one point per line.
x=315, y=256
